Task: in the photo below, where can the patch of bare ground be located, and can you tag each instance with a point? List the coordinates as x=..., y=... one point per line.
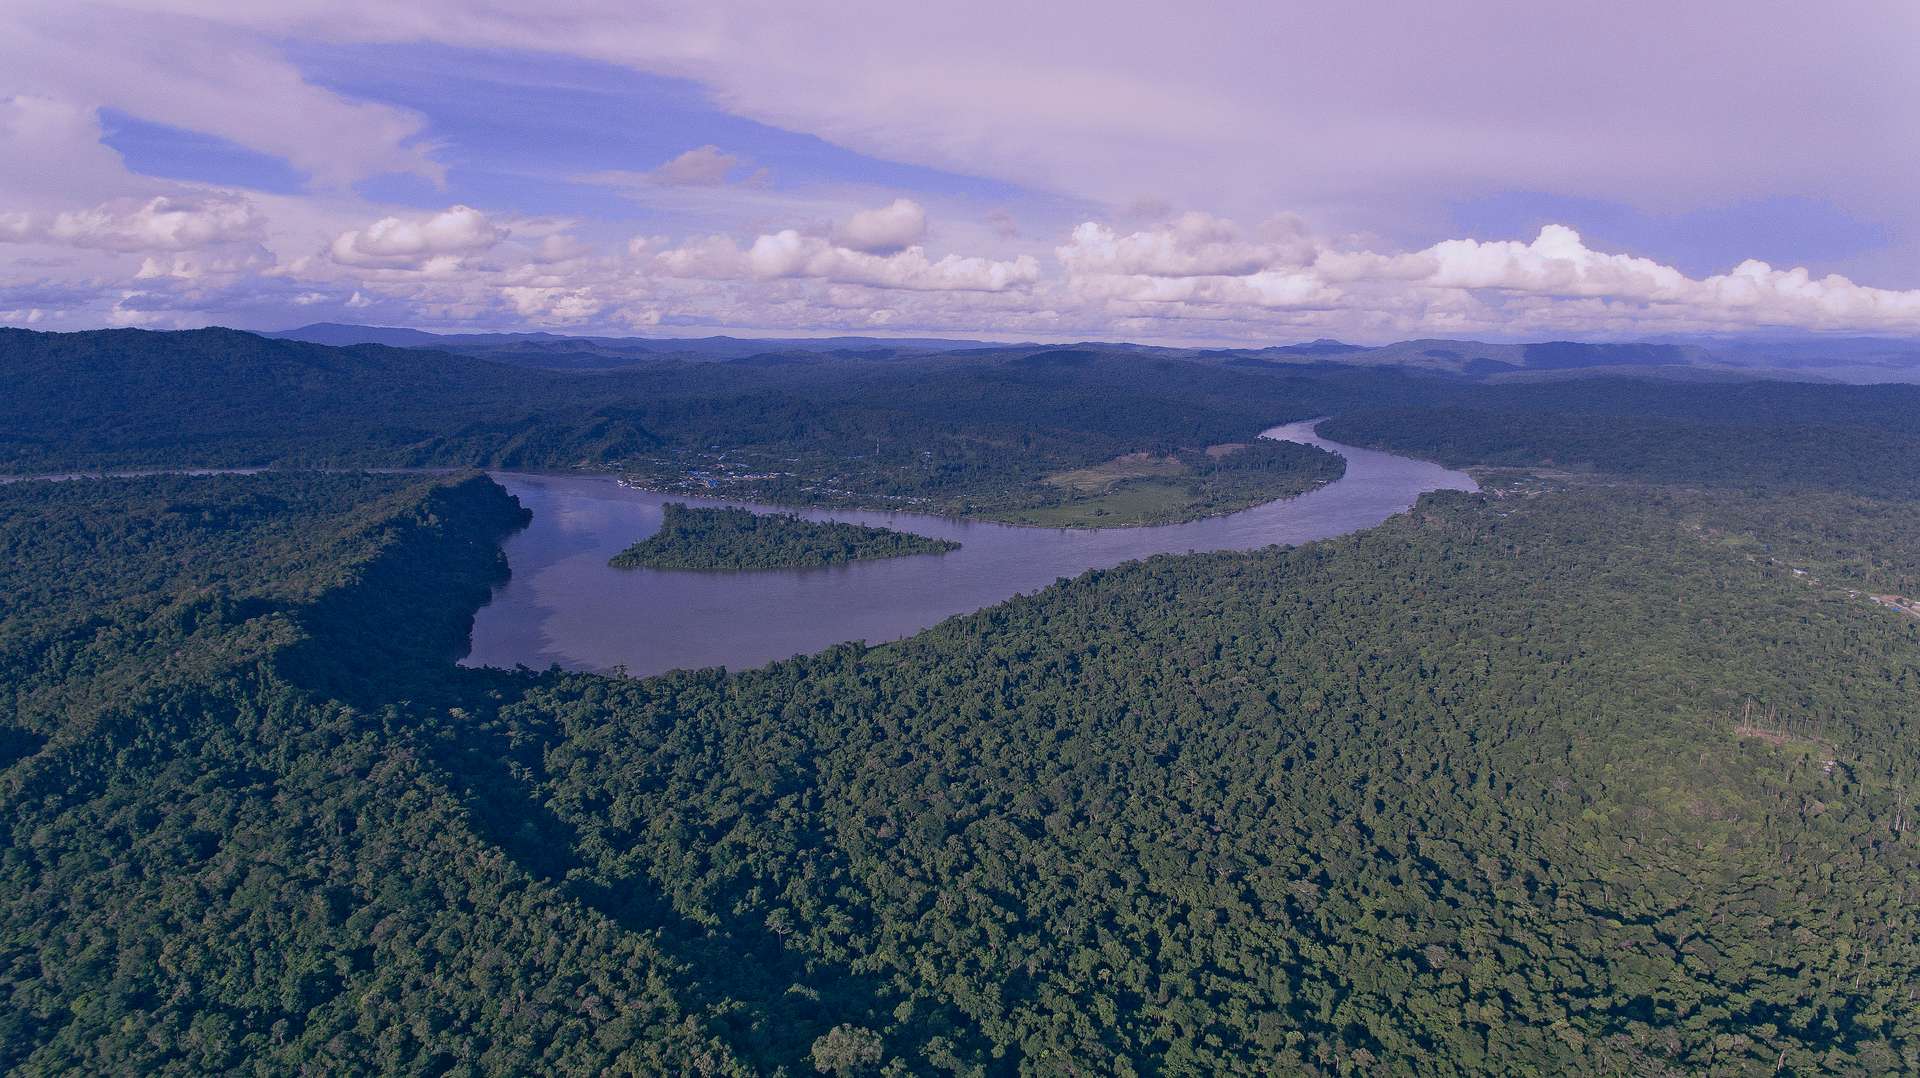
x=1098, y=477
x=1901, y=603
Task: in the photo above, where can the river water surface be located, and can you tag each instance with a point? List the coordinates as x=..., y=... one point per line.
x=564, y=604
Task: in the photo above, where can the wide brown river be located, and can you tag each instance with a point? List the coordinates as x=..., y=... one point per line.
x=565, y=605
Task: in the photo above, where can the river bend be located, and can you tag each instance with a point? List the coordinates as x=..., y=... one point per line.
x=565, y=605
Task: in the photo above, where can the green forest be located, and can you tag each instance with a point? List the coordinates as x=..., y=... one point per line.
x=1000, y=434
x=727, y=538
x=972, y=435
x=1609, y=768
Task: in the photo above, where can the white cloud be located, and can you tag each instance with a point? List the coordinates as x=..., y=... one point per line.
x=1192, y=245
x=710, y=257
x=559, y=247
x=1795, y=297
x=703, y=166
x=1266, y=289
x=911, y=269
x=1558, y=263
x=1200, y=269
x=162, y=223
x=641, y=246
x=180, y=68
x=890, y=228
x=1202, y=107
x=196, y=266
x=790, y=254
x=50, y=153
x=18, y=227
x=1195, y=265
x=417, y=243
x=1190, y=276
x=553, y=305
x=1441, y=105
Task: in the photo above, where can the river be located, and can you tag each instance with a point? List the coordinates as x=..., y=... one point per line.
x=565, y=605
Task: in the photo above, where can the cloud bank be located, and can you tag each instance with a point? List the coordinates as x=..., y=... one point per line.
x=1194, y=277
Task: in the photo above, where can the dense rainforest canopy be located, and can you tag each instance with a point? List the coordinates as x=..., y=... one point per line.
x=726, y=538
x=1608, y=769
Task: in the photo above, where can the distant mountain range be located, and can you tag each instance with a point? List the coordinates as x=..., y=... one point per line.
x=560, y=351
x=1847, y=359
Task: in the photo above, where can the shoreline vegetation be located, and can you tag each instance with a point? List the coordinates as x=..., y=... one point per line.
x=704, y=538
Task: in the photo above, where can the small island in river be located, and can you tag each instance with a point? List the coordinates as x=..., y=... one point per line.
x=699, y=538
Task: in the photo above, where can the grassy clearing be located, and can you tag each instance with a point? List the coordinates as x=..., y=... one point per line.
x=1100, y=477
x=1148, y=488
x=1137, y=502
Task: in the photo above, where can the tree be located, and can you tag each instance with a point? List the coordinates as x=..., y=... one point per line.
x=847, y=1049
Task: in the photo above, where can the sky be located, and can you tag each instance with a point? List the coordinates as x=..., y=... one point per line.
x=1238, y=173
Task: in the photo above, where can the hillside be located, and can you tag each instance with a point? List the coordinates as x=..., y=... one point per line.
x=118, y=398
x=208, y=865
x=877, y=432
x=560, y=351
x=1815, y=358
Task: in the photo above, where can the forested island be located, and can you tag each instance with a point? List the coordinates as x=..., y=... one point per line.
x=1610, y=768
x=726, y=538
x=1145, y=488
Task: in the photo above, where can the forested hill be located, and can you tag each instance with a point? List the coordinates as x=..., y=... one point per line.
x=221, y=397
x=988, y=428
x=1811, y=449
x=710, y=538
x=207, y=862
x=218, y=397
x=957, y=431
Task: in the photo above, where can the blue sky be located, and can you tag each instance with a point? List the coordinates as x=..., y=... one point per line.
x=153, y=149
x=1249, y=173
x=516, y=128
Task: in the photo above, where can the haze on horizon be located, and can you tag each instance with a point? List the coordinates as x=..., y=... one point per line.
x=1243, y=173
